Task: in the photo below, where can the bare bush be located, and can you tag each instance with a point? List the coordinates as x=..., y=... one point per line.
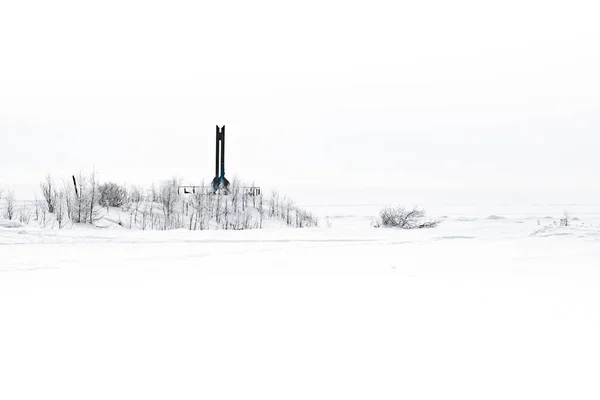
x=60, y=209
x=200, y=212
x=112, y=195
x=566, y=219
x=80, y=200
x=93, y=198
x=168, y=196
x=40, y=211
x=403, y=218
x=146, y=215
x=261, y=211
x=9, y=213
x=24, y=214
x=49, y=192
x=135, y=195
x=84, y=199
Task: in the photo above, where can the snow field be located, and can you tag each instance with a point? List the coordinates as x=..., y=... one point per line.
x=478, y=308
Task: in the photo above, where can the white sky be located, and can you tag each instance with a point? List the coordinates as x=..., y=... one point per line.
x=416, y=94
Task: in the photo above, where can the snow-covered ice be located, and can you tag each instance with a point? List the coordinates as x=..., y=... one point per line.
x=478, y=308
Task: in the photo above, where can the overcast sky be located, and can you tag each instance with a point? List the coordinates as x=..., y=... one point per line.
x=408, y=94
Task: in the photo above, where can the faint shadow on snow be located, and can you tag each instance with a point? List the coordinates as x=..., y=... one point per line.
x=453, y=237
x=8, y=229
x=4, y=270
x=579, y=232
x=465, y=219
x=5, y=223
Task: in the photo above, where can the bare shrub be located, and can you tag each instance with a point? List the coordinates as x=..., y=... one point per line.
x=200, y=213
x=40, y=211
x=112, y=195
x=24, y=215
x=403, y=218
x=566, y=219
x=93, y=213
x=84, y=200
x=49, y=192
x=169, y=196
x=135, y=195
x=9, y=213
x=146, y=215
x=261, y=211
x=60, y=209
x=273, y=204
x=69, y=196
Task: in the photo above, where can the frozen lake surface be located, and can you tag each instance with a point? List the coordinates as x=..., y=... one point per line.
x=492, y=304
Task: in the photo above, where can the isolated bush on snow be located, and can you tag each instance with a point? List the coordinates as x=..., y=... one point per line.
x=112, y=195
x=566, y=219
x=403, y=218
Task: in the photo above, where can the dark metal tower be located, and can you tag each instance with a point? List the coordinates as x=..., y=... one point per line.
x=220, y=182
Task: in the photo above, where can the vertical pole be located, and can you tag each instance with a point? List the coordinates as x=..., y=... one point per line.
x=75, y=185
x=223, y=151
x=217, y=154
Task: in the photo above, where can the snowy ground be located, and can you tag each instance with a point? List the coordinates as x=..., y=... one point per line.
x=479, y=308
